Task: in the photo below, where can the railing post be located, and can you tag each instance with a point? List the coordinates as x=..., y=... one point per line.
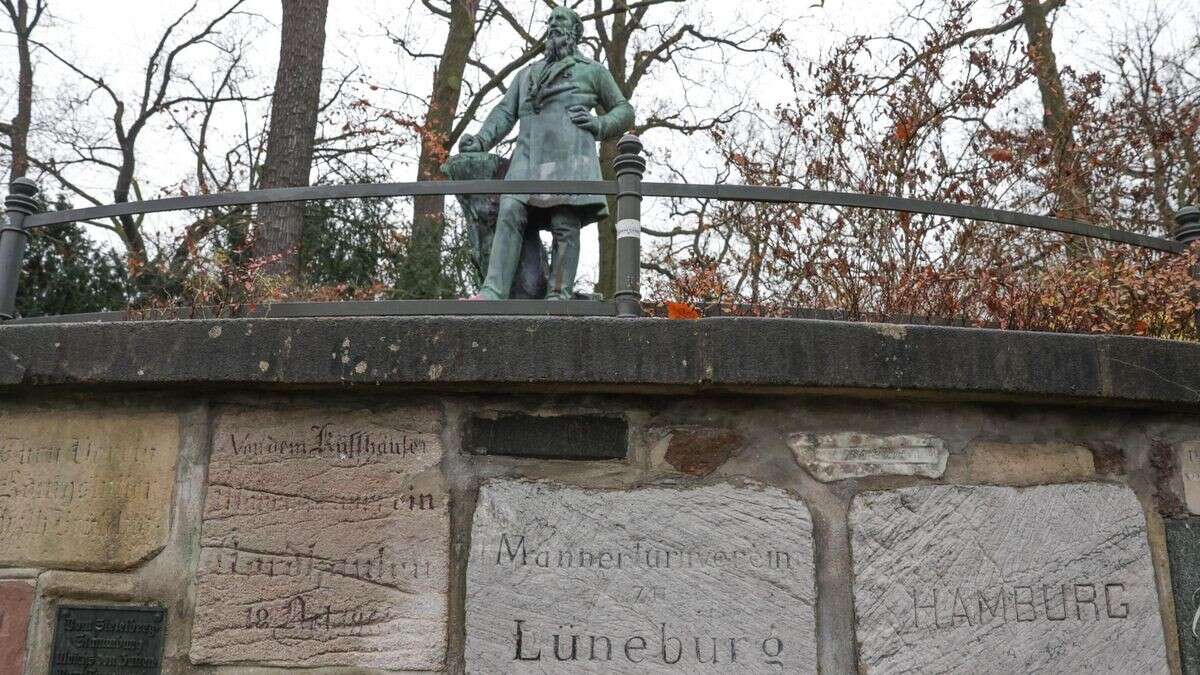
x=20, y=203
x=629, y=166
x=1187, y=230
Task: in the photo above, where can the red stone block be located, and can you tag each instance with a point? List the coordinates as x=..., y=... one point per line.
x=16, y=600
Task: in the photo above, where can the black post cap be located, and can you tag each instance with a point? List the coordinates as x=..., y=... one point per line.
x=1187, y=224
x=630, y=145
x=22, y=196
x=23, y=186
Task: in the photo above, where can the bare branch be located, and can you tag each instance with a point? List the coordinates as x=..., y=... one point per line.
x=98, y=82
x=445, y=14
x=168, y=64
x=497, y=81
x=637, y=7
x=337, y=92
x=967, y=36
x=508, y=17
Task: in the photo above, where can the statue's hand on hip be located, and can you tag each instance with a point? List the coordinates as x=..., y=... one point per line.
x=470, y=143
x=585, y=120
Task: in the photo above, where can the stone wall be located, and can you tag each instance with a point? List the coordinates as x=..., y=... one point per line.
x=616, y=526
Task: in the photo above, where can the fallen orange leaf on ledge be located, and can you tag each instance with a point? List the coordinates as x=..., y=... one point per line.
x=681, y=310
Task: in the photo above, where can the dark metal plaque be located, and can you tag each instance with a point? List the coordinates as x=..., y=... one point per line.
x=577, y=437
x=1183, y=548
x=90, y=640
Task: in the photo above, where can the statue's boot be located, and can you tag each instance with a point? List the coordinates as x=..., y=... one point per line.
x=506, y=249
x=564, y=259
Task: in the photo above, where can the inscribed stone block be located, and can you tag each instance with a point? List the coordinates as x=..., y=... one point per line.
x=325, y=542
x=830, y=457
x=1000, y=580
x=85, y=490
x=650, y=580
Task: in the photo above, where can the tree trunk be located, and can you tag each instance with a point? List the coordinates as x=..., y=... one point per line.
x=616, y=49
x=293, y=130
x=1068, y=186
x=422, y=274
x=606, y=230
x=19, y=131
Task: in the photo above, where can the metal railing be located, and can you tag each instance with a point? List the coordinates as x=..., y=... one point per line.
x=629, y=189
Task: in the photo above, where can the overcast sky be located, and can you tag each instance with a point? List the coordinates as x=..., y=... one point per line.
x=112, y=38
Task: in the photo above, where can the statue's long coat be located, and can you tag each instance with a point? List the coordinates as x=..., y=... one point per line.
x=549, y=146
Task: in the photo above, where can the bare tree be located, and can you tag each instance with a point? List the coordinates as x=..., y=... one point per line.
x=115, y=150
x=24, y=21
x=1057, y=114
x=294, y=109
x=951, y=127
x=213, y=171
x=1068, y=181
x=633, y=43
x=428, y=211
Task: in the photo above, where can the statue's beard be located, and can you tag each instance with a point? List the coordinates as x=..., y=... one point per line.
x=559, y=45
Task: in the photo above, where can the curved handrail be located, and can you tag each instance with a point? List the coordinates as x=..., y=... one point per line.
x=739, y=193
x=752, y=193
x=323, y=192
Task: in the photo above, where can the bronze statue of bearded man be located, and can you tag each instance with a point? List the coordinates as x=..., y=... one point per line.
x=553, y=100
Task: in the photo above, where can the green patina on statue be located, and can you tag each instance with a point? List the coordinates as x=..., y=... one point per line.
x=552, y=99
x=480, y=211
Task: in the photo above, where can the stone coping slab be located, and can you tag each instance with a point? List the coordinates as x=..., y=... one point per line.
x=607, y=354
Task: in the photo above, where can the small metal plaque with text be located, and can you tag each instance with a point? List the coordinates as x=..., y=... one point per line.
x=110, y=640
x=1183, y=547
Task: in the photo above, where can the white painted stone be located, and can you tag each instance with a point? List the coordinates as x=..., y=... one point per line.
x=830, y=457
x=1189, y=467
x=592, y=563
x=1048, y=579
